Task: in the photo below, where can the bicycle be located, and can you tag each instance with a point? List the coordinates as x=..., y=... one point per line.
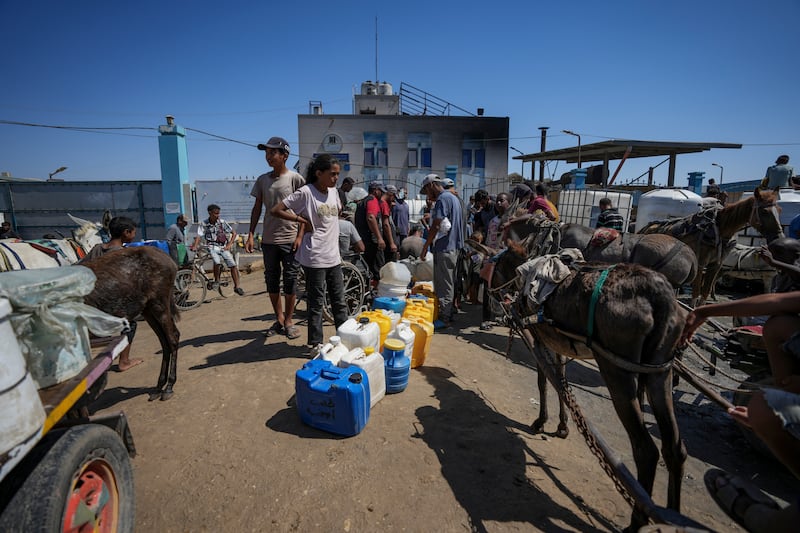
x=357, y=291
x=192, y=282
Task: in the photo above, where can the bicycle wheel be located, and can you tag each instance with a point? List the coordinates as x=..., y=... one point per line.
x=225, y=287
x=354, y=290
x=190, y=289
x=300, y=292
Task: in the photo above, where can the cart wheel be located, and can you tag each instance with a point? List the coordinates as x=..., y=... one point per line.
x=83, y=483
x=190, y=289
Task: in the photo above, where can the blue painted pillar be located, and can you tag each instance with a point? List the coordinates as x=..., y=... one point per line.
x=696, y=182
x=174, y=169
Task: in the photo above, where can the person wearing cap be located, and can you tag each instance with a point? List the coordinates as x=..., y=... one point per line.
x=400, y=216
x=278, y=235
x=372, y=222
x=445, y=247
x=344, y=188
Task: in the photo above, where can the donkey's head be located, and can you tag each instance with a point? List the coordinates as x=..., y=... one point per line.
x=765, y=215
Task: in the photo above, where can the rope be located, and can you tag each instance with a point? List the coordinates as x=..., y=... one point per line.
x=598, y=286
x=732, y=378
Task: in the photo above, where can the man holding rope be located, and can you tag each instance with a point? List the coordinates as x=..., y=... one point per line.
x=773, y=414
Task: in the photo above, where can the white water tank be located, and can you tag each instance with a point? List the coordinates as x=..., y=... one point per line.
x=789, y=201
x=663, y=204
x=369, y=88
x=385, y=89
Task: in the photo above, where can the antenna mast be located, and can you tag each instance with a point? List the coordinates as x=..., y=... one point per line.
x=376, y=50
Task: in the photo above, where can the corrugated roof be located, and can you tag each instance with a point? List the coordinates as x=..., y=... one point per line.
x=615, y=149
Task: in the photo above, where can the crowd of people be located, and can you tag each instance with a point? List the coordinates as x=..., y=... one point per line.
x=311, y=224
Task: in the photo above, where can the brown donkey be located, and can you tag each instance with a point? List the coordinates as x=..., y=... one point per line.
x=141, y=281
x=626, y=317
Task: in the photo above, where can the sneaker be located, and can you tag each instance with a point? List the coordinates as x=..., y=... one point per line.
x=239, y=291
x=313, y=350
x=486, y=326
x=439, y=325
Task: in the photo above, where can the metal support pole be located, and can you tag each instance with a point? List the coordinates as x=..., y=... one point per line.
x=543, y=129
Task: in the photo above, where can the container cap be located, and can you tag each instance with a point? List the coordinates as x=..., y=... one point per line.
x=335, y=339
x=394, y=344
x=369, y=350
x=363, y=320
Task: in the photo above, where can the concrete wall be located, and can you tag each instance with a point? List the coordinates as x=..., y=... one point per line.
x=447, y=139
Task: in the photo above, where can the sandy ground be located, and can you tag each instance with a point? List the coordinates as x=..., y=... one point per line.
x=451, y=453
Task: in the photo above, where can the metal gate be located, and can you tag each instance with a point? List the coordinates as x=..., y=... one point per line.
x=39, y=208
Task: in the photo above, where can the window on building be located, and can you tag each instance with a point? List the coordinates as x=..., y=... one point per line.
x=376, y=150
x=420, y=153
x=473, y=153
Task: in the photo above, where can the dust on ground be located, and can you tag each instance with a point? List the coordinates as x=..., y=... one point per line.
x=453, y=452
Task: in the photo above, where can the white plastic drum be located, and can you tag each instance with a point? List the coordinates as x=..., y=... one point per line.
x=21, y=412
x=663, y=204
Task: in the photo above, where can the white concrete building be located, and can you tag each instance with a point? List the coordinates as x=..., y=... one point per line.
x=400, y=138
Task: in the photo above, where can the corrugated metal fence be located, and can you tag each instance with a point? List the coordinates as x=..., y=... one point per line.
x=38, y=208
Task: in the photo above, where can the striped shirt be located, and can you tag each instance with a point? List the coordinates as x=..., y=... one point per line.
x=610, y=218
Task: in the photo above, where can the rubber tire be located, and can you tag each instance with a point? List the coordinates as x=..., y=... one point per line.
x=355, y=290
x=39, y=504
x=225, y=288
x=196, y=289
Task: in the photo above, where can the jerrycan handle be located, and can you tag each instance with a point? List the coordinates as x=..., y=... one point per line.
x=330, y=373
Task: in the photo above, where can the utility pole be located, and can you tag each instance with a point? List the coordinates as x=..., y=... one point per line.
x=543, y=129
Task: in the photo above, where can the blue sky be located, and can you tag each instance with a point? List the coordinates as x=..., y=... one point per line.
x=716, y=71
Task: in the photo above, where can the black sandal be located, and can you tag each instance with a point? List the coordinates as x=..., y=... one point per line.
x=275, y=329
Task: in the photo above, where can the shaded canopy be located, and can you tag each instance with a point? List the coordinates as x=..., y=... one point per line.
x=618, y=148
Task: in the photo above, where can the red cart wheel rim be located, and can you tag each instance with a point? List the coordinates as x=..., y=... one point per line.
x=93, y=503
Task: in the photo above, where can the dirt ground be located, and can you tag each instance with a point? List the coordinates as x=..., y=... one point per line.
x=453, y=452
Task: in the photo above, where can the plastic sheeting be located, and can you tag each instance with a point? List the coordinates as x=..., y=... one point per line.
x=52, y=323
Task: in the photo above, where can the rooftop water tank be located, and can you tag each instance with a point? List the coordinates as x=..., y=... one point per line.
x=369, y=88
x=385, y=89
x=663, y=204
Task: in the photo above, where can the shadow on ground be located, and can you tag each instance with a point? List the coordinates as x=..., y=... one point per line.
x=486, y=468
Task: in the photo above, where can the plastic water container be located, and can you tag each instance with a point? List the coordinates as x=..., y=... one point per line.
x=391, y=304
x=420, y=309
x=393, y=317
x=404, y=333
x=422, y=288
x=423, y=333
x=23, y=413
x=333, y=350
x=383, y=321
x=331, y=398
x=360, y=334
x=394, y=273
x=388, y=290
x=370, y=362
x=395, y=279
x=396, y=365
x=161, y=245
x=663, y=204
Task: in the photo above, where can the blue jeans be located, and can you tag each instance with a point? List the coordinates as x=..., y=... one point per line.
x=318, y=281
